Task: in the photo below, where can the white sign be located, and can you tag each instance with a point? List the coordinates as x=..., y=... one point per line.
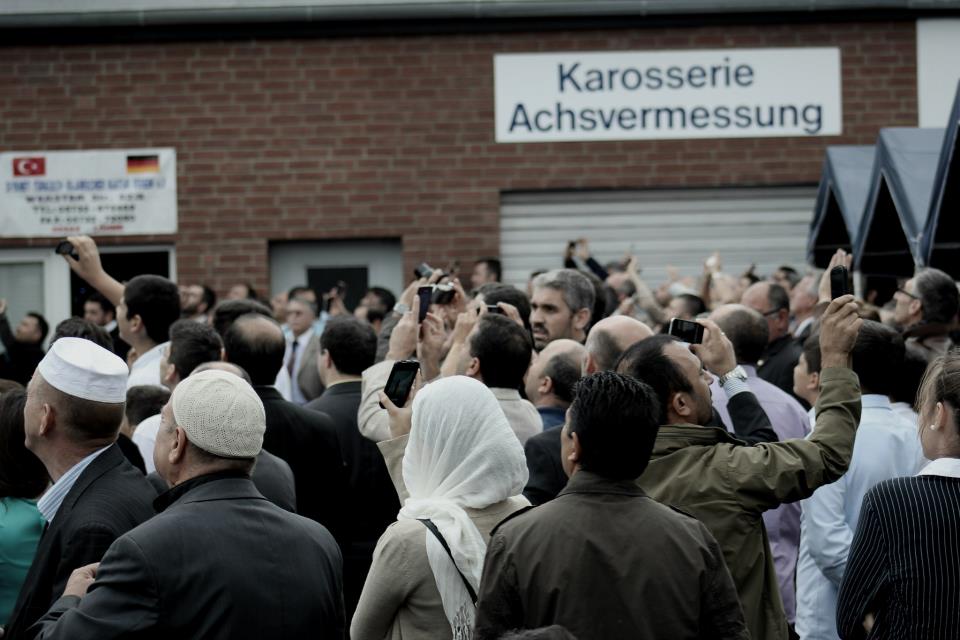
x=115, y=192
x=651, y=95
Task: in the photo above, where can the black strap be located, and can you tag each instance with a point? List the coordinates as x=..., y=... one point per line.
x=436, y=532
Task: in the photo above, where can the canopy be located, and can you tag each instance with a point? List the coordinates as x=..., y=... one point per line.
x=888, y=243
x=940, y=241
x=841, y=197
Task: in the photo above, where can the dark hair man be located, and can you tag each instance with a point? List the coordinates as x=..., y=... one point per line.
x=227, y=312
x=553, y=374
x=926, y=306
x=747, y=331
x=299, y=380
x=782, y=352
x=484, y=271
x=728, y=487
x=561, y=306
x=374, y=306
x=496, y=351
x=806, y=375
x=80, y=328
x=24, y=347
x=199, y=301
x=494, y=293
x=305, y=439
x=686, y=306
x=216, y=524
x=242, y=291
x=658, y=591
x=190, y=344
x=101, y=312
x=887, y=447
x=74, y=407
x=348, y=346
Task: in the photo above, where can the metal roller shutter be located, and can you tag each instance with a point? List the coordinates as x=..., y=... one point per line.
x=766, y=226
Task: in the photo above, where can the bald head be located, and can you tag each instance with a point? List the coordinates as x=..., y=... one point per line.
x=554, y=373
x=609, y=338
x=229, y=367
x=256, y=344
x=772, y=302
x=746, y=329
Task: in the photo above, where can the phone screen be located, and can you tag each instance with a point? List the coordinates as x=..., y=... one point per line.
x=839, y=282
x=686, y=330
x=426, y=297
x=400, y=381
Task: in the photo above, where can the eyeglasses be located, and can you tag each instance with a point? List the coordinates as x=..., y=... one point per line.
x=907, y=293
x=772, y=312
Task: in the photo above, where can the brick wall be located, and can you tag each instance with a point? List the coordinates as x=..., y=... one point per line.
x=393, y=136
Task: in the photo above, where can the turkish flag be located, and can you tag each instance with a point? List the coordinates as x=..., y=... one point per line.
x=29, y=166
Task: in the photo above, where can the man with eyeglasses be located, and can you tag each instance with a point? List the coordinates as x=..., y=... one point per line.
x=783, y=351
x=926, y=307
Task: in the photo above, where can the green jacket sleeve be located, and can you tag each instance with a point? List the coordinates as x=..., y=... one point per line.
x=767, y=475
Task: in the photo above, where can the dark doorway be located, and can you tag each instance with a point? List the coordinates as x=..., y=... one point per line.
x=322, y=279
x=123, y=267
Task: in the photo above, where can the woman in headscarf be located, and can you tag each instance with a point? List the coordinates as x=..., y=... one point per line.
x=464, y=471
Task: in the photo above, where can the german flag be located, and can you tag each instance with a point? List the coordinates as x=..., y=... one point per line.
x=143, y=164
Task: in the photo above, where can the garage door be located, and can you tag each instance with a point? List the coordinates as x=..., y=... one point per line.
x=663, y=228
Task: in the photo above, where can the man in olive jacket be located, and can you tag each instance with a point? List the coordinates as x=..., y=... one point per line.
x=704, y=471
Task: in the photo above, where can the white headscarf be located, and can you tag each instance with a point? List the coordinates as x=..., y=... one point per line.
x=461, y=453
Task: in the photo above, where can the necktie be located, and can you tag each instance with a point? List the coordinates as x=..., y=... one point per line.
x=292, y=359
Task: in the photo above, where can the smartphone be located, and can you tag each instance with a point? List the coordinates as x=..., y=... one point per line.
x=686, y=330
x=400, y=382
x=338, y=291
x=426, y=297
x=65, y=247
x=492, y=308
x=839, y=282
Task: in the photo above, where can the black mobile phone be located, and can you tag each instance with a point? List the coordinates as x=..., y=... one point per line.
x=839, y=282
x=492, y=308
x=65, y=247
x=401, y=379
x=686, y=330
x=426, y=296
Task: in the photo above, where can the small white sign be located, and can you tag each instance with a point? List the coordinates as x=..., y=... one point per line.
x=651, y=95
x=114, y=192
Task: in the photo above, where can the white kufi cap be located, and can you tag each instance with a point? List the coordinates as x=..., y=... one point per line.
x=221, y=414
x=83, y=369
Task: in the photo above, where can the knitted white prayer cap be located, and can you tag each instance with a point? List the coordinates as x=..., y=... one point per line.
x=83, y=369
x=221, y=414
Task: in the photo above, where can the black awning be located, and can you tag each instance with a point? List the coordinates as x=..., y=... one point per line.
x=940, y=239
x=841, y=197
x=898, y=202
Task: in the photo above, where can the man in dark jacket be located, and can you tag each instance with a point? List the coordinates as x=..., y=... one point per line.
x=24, y=347
x=74, y=408
x=783, y=350
x=347, y=347
x=305, y=439
x=641, y=569
x=219, y=561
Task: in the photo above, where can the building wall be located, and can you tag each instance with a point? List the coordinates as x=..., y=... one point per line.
x=380, y=137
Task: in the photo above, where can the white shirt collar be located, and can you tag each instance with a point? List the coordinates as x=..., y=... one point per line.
x=110, y=326
x=946, y=467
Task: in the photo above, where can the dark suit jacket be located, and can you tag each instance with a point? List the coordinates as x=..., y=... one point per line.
x=369, y=488
x=903, y=565
x=271, y=476
x=108, y=499
x=221, y=562
x=779, y=359
x=547, y=478
x=307, y=441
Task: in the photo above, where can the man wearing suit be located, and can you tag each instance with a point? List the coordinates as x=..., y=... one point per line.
x=348, y=347
x=219, y=561
x=101, y=312
x=305, y=439
x=299, y=378
x=74, y=408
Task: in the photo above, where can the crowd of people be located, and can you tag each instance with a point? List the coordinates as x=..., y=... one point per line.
x=564, y=465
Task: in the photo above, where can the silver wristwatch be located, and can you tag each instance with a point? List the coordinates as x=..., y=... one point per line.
x=400, y=308
x=737, y=372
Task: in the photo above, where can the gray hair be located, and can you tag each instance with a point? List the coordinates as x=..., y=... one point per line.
x=578, y=292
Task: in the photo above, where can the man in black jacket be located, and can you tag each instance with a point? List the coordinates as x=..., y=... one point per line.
x=24, y=347
x=219, y=561
x=305, y=439
x=347, y=347
x=74, y=408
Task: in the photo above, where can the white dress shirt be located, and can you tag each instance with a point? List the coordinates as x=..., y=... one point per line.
x=145, y=437
x=287, y=382
x=886, y=446
x=146, y=368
